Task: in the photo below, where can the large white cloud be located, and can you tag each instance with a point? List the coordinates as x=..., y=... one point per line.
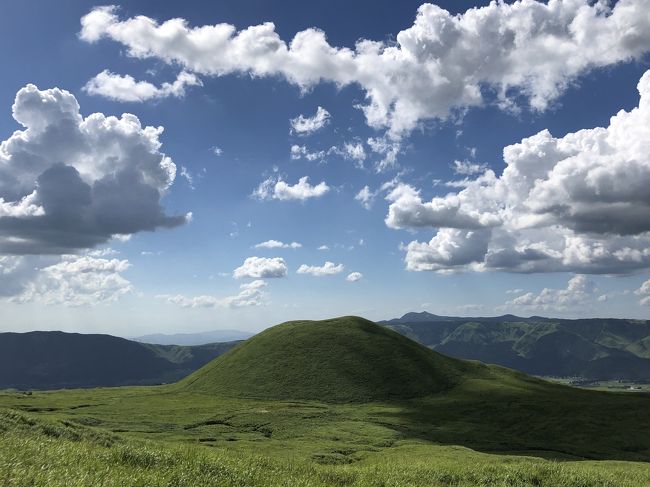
x=449, y=249
x=127, y=89
x=278, y=189
x=408, y=211
x=261, y=267
x=577, y=203
x=442, y=63
x=250, y=294
x=77, y=281
x=327, y=269
x=69, y=182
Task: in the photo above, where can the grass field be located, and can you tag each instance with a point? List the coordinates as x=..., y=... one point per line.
x=37, y=449
x=493, y=428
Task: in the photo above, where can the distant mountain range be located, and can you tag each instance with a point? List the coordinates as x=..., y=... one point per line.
x=55, y=360
x=587, y=348
x=194, y=338
x=592, y=349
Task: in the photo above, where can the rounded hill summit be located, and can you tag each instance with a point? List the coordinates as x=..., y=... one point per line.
x=348, y=359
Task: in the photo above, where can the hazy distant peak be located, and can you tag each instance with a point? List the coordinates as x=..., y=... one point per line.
x=200, y=338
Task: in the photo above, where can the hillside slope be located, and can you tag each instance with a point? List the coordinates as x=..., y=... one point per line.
x=346, y=359
x=588, y=348
x=54, y=360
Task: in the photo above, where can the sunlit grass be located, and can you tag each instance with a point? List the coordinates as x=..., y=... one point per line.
x=43, y=453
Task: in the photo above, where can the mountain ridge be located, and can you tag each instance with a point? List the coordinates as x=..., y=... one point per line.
x=591, y=348
x=56, y=359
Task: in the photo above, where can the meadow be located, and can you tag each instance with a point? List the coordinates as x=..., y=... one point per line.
x=57, y=448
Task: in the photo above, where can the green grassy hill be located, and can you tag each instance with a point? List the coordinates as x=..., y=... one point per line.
x=347, y=359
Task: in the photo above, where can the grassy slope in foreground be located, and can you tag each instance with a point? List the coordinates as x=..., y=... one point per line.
x=36, y=452
x=346, y=359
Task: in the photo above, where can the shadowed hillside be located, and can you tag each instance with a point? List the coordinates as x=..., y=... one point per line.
x=54, y=360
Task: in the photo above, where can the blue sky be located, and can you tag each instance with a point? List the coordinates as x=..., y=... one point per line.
x=420, y=116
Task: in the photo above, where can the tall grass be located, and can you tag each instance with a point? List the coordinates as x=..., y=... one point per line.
x=34, y=452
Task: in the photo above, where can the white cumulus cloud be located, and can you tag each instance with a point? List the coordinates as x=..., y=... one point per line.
x=407, y=210
x=327, y=269
x=276, y=244
x=250, y=294
x=273, y=188
x=365, y=196
x=504, y=52
x=302, y=152
x=644, y=293
x=302, y=125
x=467, y=168
x=389, y=150
x=77, y=281
x=355, y=152
x=127, y=89
x=69, y=182
x=261, y=268
x=578, y=203
x=579, y=291
x=354, y=277
x=449, y=249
